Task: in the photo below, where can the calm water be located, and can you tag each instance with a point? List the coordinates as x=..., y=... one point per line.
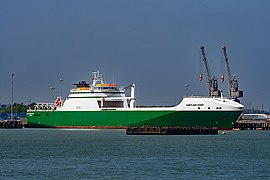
x=110, y=154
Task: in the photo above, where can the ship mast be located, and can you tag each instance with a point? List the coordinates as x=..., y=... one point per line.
x=213, y=90
x=232, y=81
x=96, y=78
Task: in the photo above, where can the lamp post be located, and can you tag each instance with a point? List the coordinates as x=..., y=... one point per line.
x=11, y=107
x=61, y=82
x=186, y=89
x=52, y=88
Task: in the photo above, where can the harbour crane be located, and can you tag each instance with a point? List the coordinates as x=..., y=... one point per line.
x=232, y=81
x=213, y=90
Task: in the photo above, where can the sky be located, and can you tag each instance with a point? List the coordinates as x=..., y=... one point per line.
x=153, y=43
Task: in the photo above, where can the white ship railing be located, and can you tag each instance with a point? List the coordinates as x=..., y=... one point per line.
x=204, y=97
x=43, y=107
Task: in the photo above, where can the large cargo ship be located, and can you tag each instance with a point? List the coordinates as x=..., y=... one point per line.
x=103, y=105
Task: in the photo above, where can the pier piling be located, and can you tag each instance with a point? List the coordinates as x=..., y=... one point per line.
x=145, y=130
x=252, y=125
x=11, y=124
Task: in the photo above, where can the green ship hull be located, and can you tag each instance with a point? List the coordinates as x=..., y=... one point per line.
x=125, y=118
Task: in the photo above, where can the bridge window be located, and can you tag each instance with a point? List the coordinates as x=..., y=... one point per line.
x=110, y=104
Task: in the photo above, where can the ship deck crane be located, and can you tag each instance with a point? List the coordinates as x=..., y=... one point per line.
x=232, y=81
x=213, y=90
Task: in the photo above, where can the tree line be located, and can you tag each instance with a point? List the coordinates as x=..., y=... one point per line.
x=17, y=108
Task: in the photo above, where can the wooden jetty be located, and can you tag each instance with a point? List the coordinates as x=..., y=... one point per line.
x=146, y=130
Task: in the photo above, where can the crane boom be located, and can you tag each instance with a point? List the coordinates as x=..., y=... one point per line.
x=227, y=64
x=232, y=81
x=213, y=90
x=207, y=71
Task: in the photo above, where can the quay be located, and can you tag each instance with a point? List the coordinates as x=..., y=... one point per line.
x=145, y=130
x=253, y=122
x=11, y=124
x=252, y=125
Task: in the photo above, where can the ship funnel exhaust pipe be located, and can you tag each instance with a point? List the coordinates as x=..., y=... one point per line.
x=132, y=95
